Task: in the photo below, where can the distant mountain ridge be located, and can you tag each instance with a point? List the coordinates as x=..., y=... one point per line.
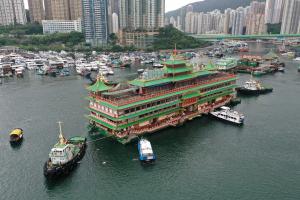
x=210, y=5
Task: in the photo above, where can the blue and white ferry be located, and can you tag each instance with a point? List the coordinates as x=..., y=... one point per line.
x=146, y=154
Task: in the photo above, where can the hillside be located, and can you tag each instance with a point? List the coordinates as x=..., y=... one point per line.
x=169, y=36
x=210, y=5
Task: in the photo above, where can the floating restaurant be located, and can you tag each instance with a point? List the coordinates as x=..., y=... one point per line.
x=158, y=99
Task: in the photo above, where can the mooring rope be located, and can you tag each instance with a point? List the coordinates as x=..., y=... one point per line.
x=98, y=139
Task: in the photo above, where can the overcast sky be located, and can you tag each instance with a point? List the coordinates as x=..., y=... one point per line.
x=174, y=4
x=170, y=4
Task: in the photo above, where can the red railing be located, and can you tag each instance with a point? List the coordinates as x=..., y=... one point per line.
x=121, y=102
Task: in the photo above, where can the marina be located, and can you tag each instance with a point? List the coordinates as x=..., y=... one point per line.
x=192, y=158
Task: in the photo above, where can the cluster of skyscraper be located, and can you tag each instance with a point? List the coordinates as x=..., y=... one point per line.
x=250, y=20
x=12, y=12
x=101, y=17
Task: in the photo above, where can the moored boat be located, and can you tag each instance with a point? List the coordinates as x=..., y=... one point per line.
x=225, y=113
x=64, y=156
x=16, y=136
x=253, y=87
x=146, y=154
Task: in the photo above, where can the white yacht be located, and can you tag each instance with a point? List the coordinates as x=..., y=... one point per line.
x=225, y=113
x=297, y=59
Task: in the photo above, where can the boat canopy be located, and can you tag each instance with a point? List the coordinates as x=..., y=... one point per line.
x=146, y=147
x=17, y=132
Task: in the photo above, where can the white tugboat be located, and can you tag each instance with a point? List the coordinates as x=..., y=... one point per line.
x=253, y=87
x=64, y=156
x=225, y=113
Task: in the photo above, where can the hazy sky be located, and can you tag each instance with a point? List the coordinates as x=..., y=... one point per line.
x=170, y=4
x=174, y=4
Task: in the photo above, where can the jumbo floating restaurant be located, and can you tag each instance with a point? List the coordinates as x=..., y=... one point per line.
x=157, y=99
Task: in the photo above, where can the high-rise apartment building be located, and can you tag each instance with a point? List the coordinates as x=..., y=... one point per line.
x=141, y=14
x=36, y=10
x=291, y=17
x=63, y=9
x=115, y=23
x=95, y=22
x=255, y=19
x=273, y=11
x=238, y=20
x=12, y=12
x=75, y=9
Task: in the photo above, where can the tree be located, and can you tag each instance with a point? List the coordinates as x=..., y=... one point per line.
x=113, y=39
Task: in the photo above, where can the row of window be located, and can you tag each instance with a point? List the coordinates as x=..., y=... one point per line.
x=149, y=105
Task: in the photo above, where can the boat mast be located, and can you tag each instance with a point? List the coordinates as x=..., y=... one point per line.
x=62, y=139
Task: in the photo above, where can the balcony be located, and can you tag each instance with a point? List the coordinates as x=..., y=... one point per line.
x=133, y=99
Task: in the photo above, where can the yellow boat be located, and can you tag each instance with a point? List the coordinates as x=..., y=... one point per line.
x=16, y=135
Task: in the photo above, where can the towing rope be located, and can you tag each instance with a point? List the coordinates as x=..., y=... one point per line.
x=98, y=139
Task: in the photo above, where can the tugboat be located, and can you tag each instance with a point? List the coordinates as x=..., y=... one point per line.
x=146, y=154
x=253, y=87
x=64, y=156
x=225, y=113
x=16, y=136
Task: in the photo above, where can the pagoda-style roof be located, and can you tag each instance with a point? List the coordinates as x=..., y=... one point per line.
x=169, y=70
x=210, y=67
x=99, y=86
x=174, y=62
x=166, y=80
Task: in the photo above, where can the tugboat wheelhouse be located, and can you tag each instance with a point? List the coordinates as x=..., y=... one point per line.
x=158, y=99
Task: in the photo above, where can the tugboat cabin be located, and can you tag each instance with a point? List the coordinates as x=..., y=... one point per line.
x=61, y=154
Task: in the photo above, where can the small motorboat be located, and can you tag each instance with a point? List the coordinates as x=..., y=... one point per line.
x=281, y=69
x=225, y=113
x=110, y=72
x=140, y=71
x=158, y=65
x=146, y=154
x=16, y=136
x=297, y=59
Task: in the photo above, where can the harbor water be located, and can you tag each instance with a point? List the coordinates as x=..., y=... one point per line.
x=203, y=159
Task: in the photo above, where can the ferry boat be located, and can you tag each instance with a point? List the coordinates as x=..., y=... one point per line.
x=146, y=154
x=253, y=87
x=64, y=156
x=157, y=99
x=16, y=136
x=225, y=113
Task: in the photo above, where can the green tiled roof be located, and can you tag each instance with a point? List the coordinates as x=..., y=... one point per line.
x=147, y=83
x=210, y=67
x=174, y=62
x=99, y=86
x=169, y=70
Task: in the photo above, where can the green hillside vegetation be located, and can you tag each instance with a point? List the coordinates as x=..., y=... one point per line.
x=273, y=28
x=169, y=36
x=18, y=30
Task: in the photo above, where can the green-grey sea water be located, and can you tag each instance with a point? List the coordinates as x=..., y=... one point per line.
x=203, y=159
